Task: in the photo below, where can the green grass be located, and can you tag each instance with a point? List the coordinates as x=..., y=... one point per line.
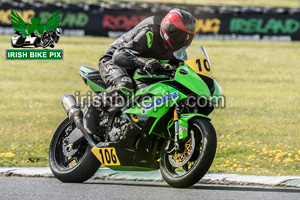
x=258, y=131
x=269, y=3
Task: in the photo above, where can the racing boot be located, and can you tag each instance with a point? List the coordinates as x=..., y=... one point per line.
x=116, y=96
x=91, y=118
x=113, y=98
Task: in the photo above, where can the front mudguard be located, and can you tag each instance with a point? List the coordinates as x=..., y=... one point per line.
x=188, y=116
x=183, y=123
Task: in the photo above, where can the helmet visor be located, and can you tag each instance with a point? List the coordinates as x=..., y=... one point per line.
x=180, y=39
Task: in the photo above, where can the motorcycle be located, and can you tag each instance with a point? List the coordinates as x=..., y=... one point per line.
x=46, y=40
x=164, y=125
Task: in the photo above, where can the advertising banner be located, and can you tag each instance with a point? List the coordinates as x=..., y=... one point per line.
x=114, y=19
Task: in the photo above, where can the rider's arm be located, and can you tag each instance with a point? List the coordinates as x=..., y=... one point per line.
x=128, y=56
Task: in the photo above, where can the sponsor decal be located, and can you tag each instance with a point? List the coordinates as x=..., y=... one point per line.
x=157, y=102
x=166, y=36
x=264, y=26
x=126, y=79
x=149, y=35
x=183, y=128
x=208, y=25
x=121, y=22
x=143, y=110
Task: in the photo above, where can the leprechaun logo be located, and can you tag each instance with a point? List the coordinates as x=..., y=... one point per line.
x=35, y=35
x=42, y=35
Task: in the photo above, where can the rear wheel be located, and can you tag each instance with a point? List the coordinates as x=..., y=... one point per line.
x=71, y=164
x=184, y=169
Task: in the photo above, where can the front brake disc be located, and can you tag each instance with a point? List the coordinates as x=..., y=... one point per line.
x=180, y=159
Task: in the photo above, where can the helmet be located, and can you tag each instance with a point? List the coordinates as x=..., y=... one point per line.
x=177, y=29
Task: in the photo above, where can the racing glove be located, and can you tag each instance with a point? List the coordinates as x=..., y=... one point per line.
x=153, y=67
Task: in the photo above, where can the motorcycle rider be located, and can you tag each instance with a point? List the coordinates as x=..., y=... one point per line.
x=147, y=46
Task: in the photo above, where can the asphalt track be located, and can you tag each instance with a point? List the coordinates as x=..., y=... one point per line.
x=49, y=188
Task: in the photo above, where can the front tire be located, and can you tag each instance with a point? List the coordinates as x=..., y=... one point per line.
x=75, y=168
x=202, y=136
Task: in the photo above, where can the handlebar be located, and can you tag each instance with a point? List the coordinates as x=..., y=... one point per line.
x=167, y=71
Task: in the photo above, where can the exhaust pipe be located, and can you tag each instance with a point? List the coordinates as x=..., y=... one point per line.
x=75, y=115
x=71, y=107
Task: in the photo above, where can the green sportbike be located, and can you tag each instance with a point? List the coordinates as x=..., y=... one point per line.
x=165, y=125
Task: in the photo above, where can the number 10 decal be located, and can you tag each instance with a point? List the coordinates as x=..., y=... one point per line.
x=107, y=156
x=205, y=63
x=201, y=66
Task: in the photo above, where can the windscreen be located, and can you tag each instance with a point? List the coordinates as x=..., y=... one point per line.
x=190, y=52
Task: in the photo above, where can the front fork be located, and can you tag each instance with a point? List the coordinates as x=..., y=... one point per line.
x=178, y=146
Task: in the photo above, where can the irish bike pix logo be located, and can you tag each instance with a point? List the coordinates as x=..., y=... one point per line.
x=34, y=36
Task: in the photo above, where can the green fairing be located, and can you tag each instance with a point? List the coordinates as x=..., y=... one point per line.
x=163, y=61
x=183, y=124
x=217, y=93
x=188, y=116
x=198, y=86
x=138, y=76
x=157, y=90
x=183, y=121
x=86, y=70
x=94, y=86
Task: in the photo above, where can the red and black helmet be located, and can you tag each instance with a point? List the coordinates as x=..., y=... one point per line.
x=178, y=29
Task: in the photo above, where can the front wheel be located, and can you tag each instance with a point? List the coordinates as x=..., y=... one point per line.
x=184, y=169
x=67, y=163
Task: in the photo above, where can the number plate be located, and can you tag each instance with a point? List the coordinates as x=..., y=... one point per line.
x=200, y=66
x=107, y=156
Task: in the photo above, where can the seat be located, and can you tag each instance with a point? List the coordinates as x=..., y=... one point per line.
x=90, y=74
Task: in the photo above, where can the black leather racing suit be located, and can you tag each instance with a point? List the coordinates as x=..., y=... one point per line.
x=122, y=57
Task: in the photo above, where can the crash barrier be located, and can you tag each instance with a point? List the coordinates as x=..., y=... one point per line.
x=113, y=19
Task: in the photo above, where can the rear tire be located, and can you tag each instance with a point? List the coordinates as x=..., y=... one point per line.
x=85, y=165
x=202, y=156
